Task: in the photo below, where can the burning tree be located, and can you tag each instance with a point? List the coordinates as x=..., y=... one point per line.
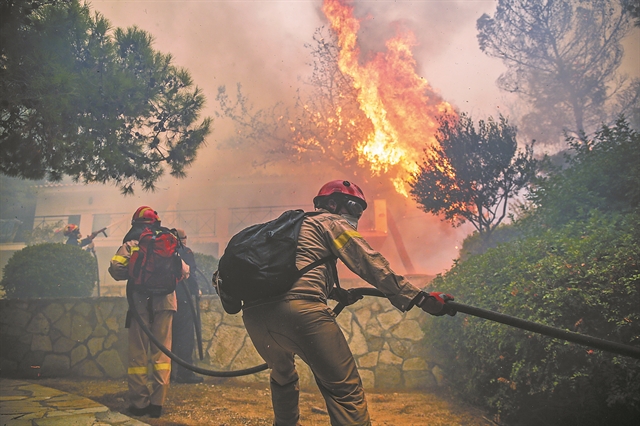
x=562, y=57
x=374, y=115
x=324, y=124
x=473, y=172
x=96, y=105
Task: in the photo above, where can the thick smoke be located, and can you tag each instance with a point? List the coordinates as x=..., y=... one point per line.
x=262, y=46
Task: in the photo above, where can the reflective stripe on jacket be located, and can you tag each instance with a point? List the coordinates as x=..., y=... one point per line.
x=119, y=264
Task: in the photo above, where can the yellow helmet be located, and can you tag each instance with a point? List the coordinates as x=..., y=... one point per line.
x=70, y=229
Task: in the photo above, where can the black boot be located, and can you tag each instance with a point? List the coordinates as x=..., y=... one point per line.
x=154, y=411
x=138, y=412
x=192, y=378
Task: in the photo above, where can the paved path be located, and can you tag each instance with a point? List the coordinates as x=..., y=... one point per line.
x=23, y=403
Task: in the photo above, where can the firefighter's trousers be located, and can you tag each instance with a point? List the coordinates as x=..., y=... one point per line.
x=308, y=329
x=141, y=352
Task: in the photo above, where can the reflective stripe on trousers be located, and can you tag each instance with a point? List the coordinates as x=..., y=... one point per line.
x=141, y=352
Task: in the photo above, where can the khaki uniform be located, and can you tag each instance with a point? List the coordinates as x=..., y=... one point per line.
x=300, y=322
x=141, y=351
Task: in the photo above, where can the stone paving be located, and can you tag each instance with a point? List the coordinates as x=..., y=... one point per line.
x=23, y=403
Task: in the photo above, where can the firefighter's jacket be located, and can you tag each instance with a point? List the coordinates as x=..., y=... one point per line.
x=326, y=234
x=119, y=270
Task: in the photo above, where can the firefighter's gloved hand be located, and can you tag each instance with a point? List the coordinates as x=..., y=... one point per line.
x=346, y=297
x=434, y=303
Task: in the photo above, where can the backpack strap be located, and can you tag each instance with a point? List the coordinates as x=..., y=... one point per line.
x=138, y=265
x=336, y=280
x=343, y=296
x=316, y=263
x=320, y=261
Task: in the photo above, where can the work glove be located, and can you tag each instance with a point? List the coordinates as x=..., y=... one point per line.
x=434, y=303
x=346, y=297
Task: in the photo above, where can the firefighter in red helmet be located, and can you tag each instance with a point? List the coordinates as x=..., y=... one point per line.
x=299, y=322
x=145, y=214
x=157, y=312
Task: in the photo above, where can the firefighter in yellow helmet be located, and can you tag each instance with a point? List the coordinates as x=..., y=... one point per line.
x=74, y=238
x=299, y=322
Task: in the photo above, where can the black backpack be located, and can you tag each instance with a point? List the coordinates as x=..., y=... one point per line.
x=260, y=261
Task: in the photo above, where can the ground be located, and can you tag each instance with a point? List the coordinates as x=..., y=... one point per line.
x=222, y=402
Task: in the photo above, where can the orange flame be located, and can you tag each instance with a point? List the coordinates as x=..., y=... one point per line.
x=402, y=106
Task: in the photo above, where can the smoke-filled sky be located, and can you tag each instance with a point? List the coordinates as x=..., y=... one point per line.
x=261, y=44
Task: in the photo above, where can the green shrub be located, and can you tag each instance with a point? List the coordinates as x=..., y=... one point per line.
x=476, y=244
x=575, y=266
x=207, y=265
x=49, y=270
x=584, y=277
x=602, y=175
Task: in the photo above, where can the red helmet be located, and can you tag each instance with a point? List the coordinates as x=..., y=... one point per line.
x=70, y=229
x=145, y=214
x=351, y=190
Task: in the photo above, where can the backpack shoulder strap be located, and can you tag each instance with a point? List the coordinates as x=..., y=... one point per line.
x=316, y=263
x=313, y=213
x=320, y=261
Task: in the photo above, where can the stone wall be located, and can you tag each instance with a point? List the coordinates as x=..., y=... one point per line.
x=59, y=337
x=85, y=337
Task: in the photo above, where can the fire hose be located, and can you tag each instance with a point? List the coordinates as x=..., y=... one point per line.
x=90, y=248
x=194, y=308
x=559, y=333
x=176, y=358
x=570, y=336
